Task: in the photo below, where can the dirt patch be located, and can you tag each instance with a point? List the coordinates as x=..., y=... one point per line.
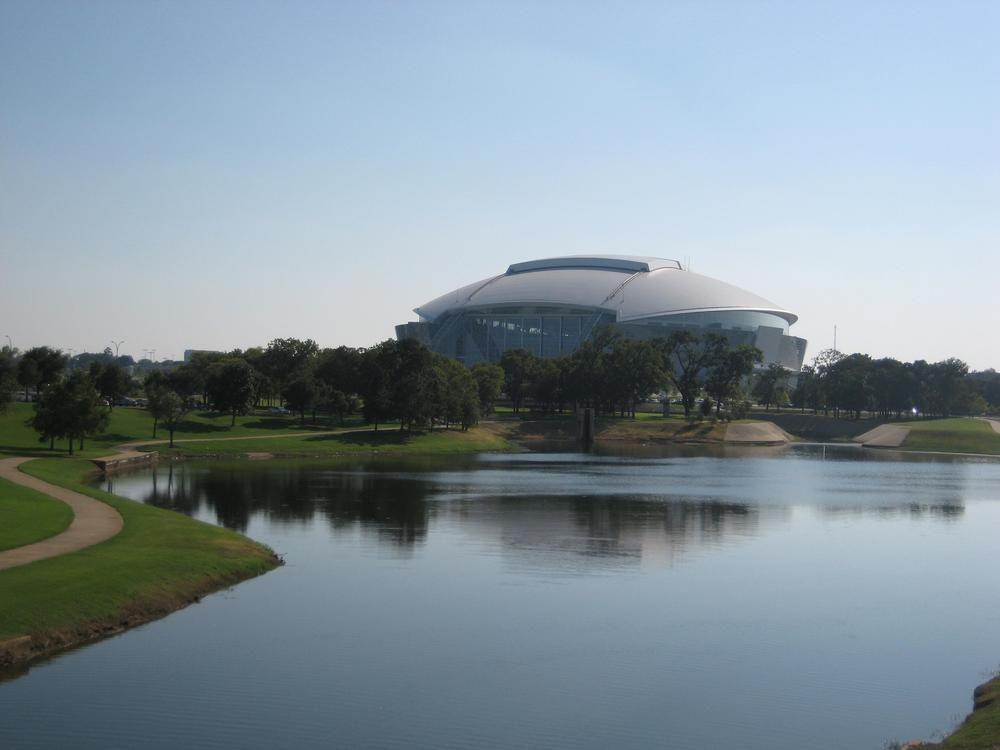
x=884, y=436
x=994, y=423
x=756, y=433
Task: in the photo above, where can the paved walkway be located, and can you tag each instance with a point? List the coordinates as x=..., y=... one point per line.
x=755, y=433
x=994, y=423
x=93, y=521
x=884, y=436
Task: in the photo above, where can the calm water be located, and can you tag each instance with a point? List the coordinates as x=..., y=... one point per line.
x=806, y=599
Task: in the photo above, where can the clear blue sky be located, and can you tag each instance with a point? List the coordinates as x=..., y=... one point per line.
x=216, y=174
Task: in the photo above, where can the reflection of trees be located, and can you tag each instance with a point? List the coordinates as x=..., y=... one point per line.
x=392, y=507
x=395, y=509
x=946, y=510
x=396, y=503
x=615, y=529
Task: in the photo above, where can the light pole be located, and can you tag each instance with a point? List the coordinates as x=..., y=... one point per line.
x=117, y=344
x=10, y=342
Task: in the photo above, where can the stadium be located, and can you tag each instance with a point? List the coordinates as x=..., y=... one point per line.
x=551, y=306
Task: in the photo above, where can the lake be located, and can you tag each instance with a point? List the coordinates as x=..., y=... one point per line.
x=811, y=597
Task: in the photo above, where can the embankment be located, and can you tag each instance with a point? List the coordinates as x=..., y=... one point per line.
x=160, y=562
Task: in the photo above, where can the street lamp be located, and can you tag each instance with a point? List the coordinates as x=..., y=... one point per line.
x=10, y=342
x=117, y=344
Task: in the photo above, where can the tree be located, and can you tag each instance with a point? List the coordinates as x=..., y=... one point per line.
x=230, y=387
x=684, y=358
x=71, y=410
x=489, y=383
x=111, y=380
x=517, y=365
x=416, y=389
x=827, y=376
x=8, y=378
x=806, y=393
x=50, y=417
x=636, y=369
x=379, y=367
x=185, y=381
x=284, y=359
x=88, y=417
x=172, y=409
x=301, y=395
x=27, y=374
x=340, y=369
x=546, y=387
x=39, y=367
x=336, y=402
x=728, y=369
x=772, y=385
x=156, y=386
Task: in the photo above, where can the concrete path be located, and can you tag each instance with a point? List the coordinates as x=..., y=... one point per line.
x=756, y=433
x=93, y=522
x=884, y=436
x=129, y=449
x=994, y=423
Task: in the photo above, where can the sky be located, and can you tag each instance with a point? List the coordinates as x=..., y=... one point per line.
x=212, y=175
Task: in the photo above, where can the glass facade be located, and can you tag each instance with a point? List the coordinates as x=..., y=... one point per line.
x=484, y=335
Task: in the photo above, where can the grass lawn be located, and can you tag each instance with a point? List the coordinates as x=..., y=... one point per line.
x=158, y=562
x=981, y=730
x=658, y=428
x=129, y=424
x=27, y=516
x=560, y=429
x=958, y=435
x=385, y=440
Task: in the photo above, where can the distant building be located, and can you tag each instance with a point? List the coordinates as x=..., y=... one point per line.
x=551, y=306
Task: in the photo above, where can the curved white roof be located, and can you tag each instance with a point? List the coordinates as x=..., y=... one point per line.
x=630, y=287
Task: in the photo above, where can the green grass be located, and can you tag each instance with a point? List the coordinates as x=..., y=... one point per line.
x=959, y=435
x=130, y=424
x=981, y=730
x=159, y=561
x=27, y=516
x=385, y=440
x=257, y=433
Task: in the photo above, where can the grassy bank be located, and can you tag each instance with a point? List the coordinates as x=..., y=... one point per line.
x=385, y=440
x=160, y=562
x=958, y=435
x=27, y=516
x=981, y=728
x=559, y=430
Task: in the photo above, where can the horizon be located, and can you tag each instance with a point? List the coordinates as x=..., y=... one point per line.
x=214, y=177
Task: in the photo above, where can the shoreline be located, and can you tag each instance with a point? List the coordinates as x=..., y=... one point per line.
x=20, y=653
x=217, y=559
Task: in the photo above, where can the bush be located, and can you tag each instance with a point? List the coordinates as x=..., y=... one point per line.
x=739, y=409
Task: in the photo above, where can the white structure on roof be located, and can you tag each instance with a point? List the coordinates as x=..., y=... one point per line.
x=550, y=306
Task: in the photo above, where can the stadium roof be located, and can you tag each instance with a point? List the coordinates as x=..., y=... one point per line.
x=630, y=287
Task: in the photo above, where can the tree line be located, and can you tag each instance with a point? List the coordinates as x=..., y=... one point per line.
x=613, y=374
x=850, y=384
x=404, y=382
